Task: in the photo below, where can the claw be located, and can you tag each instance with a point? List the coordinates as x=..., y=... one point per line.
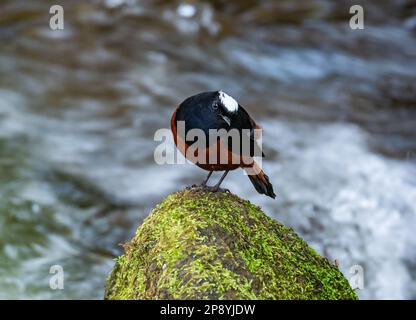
x=215, y=189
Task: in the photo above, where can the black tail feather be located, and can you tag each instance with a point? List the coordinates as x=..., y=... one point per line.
x=262, y=184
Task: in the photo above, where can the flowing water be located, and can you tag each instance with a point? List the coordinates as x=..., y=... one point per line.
x=79, y=108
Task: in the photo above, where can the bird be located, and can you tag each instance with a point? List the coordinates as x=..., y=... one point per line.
x=215, y=111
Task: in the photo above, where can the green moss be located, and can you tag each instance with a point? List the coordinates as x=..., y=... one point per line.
x=202, y=245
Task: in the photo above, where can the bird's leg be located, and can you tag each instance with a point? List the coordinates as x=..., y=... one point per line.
x=217, y=186
x=204, y=183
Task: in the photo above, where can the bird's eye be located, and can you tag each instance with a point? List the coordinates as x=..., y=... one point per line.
x=215, y=106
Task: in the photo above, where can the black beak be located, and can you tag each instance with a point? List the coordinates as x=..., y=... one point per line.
x=226, y=119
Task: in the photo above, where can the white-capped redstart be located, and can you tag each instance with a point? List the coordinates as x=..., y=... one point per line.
x=216, y=111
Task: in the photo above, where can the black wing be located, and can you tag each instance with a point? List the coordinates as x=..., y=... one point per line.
x=240, y=121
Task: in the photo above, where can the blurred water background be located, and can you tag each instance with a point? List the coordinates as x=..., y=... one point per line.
x=79, y=108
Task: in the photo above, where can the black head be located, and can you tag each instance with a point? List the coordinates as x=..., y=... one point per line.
x=214, y=109
x=225, y=106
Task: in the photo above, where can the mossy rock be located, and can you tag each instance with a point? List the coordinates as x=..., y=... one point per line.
x=203, y=245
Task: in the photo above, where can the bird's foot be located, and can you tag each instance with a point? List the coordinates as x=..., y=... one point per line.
x=196, y=186
x=215, y=189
